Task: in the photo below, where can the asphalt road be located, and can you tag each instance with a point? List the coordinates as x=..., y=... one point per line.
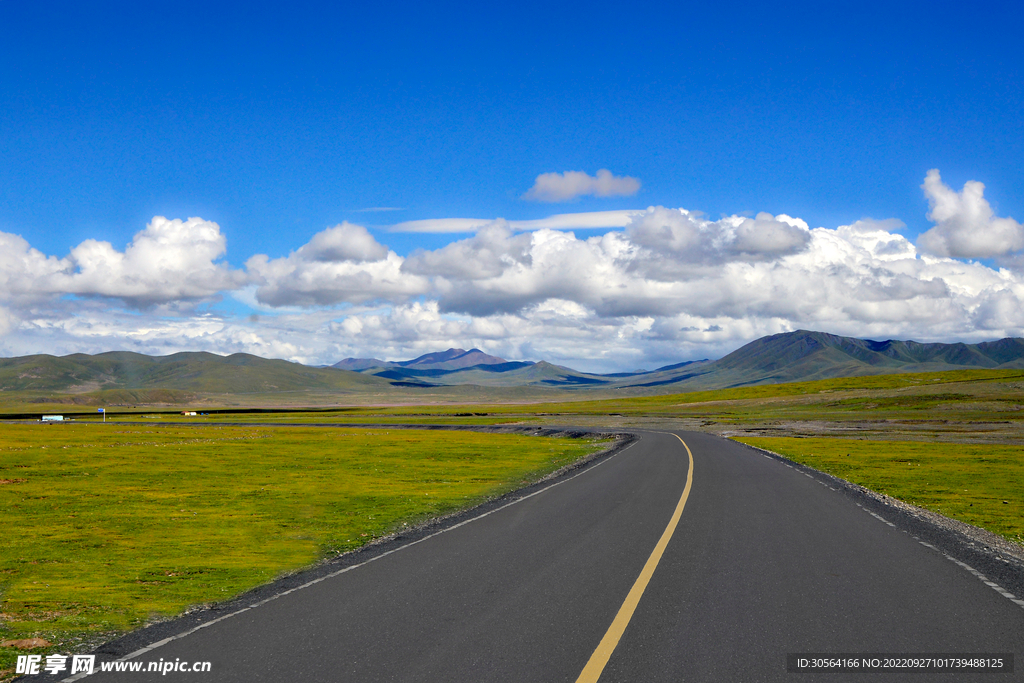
x=765, y=561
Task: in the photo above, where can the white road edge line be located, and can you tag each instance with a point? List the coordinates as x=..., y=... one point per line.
x=996, y=587
x=978, y=575
x=160, y=643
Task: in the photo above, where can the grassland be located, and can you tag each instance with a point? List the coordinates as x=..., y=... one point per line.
x=113, y=525
x=974, y=406
x=106, y=527
x=981, y=485
x=962, y=394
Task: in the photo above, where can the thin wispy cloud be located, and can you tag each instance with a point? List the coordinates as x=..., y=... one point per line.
x=562, y=221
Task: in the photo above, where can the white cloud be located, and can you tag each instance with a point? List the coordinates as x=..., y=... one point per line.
x=768, y=273
x=487, y=254
x=670, y=286
x=7, y=321
x=24, y=271
x=685, y=237
x=171, y=260
x=554, y=265
x=442, y=225
x=561, y=221
x=966, y=226
x=344, y=264
x=91, y=328
x=639, y=272
x=344, y=242
x=575, y=221
x=563, y=187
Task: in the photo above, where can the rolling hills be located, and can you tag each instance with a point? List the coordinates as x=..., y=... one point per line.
x=137, y=378
x=788, y=357
x=132, y=378
x=805, y=355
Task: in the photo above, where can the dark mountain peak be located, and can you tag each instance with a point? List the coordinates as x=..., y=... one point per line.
x=435, y=357
x=357, y=364
x=808, y=354
x=1007, y=350
x=452, y=359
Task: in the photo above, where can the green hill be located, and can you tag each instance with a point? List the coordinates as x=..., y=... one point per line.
x=191, y=372
x=124, y=378
x=804, y=355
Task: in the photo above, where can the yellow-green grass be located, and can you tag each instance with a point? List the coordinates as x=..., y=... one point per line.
x=497, y=400
x=301, y=417
x=982, y=485
x=819, y=394
x=915, y=398
x=105, y=527
x=973, y=395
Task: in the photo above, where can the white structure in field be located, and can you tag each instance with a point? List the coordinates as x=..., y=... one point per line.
x=53, y=418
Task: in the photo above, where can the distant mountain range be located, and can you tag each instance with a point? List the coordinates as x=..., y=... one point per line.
x=452, y=359
x=788, y=357
x=805, y=356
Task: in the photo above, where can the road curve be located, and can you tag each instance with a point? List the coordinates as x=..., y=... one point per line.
x=764, y=561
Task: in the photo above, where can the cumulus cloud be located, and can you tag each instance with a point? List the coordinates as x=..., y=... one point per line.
x=344, y=242
x=343, y=264
x=171, y=260
x=7, y=321
x=669, y=285
x=684, y=236
x=670, y=277
x=548, y=264
x=25, y=272
x=674, y=265
x=966, y=226
x=562, y=187
x=485, y=255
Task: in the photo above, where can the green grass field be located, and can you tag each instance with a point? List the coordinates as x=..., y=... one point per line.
x=982, y=485
x=497, y=401
x=962, y=395
x=106, y=527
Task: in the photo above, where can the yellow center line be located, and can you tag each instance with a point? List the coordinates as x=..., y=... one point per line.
x=598, y=660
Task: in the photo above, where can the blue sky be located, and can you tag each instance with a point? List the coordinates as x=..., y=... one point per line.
x=277, y=123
